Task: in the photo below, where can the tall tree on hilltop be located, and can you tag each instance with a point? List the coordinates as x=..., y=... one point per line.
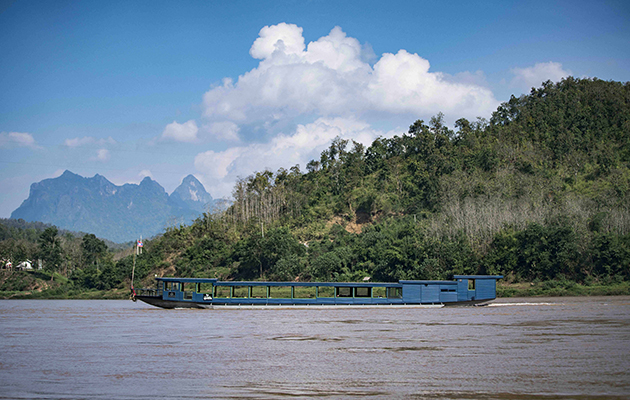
x=50, y=249
x=92, y=249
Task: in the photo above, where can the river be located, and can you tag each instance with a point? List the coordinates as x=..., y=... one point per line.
x=520, y=348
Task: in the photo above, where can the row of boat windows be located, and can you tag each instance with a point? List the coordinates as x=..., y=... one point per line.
x=286, y=292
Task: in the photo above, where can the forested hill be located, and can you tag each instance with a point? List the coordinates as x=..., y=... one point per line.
x=540, y=192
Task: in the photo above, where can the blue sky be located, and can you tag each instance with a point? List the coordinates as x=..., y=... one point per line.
x=222, y=89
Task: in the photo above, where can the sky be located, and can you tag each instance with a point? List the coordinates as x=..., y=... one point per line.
x=220, y=90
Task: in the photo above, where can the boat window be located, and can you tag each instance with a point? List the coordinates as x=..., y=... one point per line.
x=325, y=291
x=394, y=293
x=188, y=295
x=259, y=292
x=222, y=291
x=363, y=292
x=241, y=291
x=280, y=292
x=204, y=287
x=471, y=284
x=379, y=292
x=344, y=292
x=448, y=290
x=304, y=292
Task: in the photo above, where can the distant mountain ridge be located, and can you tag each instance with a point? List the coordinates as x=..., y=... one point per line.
x=118, y=213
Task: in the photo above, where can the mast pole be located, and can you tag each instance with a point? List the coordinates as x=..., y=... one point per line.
x=133, y=270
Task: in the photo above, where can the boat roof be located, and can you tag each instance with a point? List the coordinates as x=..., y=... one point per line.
x=323, y=284
x=270, y=283
x=173, y=279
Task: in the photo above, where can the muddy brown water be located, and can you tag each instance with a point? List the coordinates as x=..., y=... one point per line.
x=520, y=348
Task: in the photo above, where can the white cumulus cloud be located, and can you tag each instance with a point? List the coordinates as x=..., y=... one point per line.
x=220, y=169
x=302, y=95
x=527, y=78
x=286, y=38
x=17, y=139
x=144, y=173
x=225, y=130
x=88, y=140
x=102, y=155
x=77, y=142
x=186, y=132
x=330, y=77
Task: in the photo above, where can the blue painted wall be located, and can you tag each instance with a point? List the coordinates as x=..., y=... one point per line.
x=431, y=293
x=412, y=293
x=462, y=290
x=485, y=289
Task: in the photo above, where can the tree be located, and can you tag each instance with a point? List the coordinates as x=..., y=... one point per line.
x=92, y=249
x=50, y=249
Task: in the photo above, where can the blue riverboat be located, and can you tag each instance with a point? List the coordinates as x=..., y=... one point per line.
x=213, y=293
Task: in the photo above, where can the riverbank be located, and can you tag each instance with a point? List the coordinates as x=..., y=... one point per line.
x=60, y=294
x=561, y=288
x=44, y=285
x=504, y=290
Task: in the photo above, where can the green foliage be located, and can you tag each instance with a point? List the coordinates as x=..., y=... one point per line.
x=257, y=255
x=610, y=255
x=587, y=116
x=539, y=252
x=93, y=249
x=50, y=248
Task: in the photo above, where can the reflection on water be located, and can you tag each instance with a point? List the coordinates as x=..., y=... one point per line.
x=564, y=348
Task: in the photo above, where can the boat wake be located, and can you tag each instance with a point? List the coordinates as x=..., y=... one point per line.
x=522, y=304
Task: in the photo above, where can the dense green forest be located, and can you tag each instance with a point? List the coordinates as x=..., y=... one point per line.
x=62, y=261
x=539, y=193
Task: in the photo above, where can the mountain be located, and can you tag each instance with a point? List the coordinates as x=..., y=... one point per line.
x=118, y=213
x=192, y=195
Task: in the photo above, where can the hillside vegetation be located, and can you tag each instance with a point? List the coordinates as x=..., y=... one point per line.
x=539, y=193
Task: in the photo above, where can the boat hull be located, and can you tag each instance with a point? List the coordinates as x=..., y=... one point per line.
x=171, y=304
x=160, y=302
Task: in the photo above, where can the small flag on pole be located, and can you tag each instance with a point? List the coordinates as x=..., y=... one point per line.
x=139, y=246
